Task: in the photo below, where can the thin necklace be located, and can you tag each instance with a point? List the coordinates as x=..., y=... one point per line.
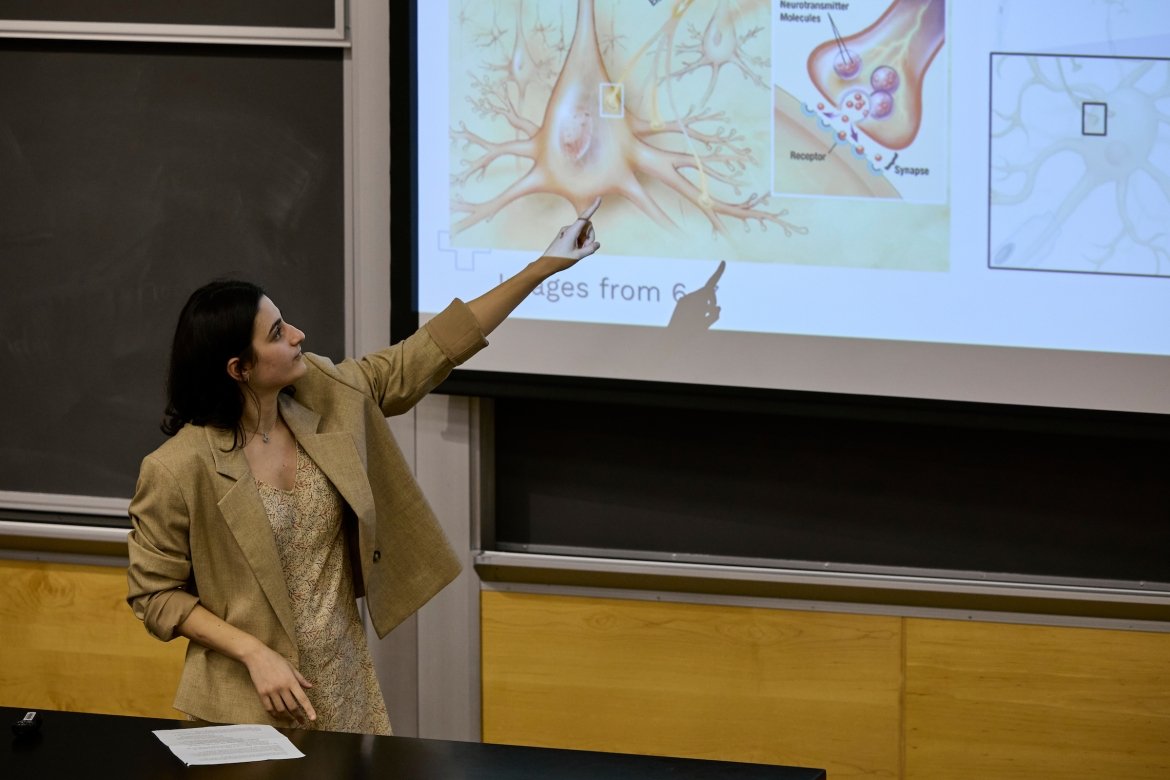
x=263, y=435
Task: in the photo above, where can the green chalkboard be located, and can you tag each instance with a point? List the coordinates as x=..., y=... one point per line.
x=133, y=173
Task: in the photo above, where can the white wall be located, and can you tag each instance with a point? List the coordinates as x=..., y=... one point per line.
x=429, y=666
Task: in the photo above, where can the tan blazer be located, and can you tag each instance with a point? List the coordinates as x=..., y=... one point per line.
x=200, y=533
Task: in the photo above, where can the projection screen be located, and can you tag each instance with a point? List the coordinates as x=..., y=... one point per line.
x=943, y=200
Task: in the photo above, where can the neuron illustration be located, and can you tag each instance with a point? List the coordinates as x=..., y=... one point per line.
x=866, y=74
x=876, y=75
x=1080, y=164
x=622, y=111
x=719, y=44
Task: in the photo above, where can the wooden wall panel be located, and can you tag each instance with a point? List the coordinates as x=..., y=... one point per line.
x=1011, y=701
x=732, y=683
x=70, y=642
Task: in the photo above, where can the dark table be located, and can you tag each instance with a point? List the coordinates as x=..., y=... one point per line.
x=73, y=745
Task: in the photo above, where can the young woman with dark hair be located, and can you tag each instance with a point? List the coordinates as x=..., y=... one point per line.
x=268, y=512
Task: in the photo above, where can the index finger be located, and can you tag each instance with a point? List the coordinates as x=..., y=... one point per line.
x=714, y=280
x=306, y=705
x=587, y=214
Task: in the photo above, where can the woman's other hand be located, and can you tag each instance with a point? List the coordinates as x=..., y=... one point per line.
x=279, y=685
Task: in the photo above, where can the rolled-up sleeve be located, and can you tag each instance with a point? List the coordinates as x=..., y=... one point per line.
x=456, y=332
x=159, y=574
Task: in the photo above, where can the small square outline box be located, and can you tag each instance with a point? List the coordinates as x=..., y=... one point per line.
x=601, y=90
x=1094, y=118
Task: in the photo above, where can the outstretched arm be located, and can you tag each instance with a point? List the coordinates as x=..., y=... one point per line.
x=572, y=243
x=396, y=378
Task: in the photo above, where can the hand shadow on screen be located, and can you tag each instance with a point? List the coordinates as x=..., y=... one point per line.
x=697, y=311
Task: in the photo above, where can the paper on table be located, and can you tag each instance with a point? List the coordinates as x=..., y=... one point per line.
x=227, y=744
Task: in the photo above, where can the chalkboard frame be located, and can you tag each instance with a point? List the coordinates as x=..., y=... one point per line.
x=124, y=26
x=1017, y=504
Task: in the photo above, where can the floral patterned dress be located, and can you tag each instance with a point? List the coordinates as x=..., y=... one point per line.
x=335, y=657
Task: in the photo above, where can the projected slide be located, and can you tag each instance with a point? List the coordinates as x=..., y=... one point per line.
x=676, y=112
x=911, y=171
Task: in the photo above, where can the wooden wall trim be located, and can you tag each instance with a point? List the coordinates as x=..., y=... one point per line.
x=72, y=643
x=864, y=696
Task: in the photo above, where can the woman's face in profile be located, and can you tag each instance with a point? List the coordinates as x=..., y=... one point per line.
x=276, y=345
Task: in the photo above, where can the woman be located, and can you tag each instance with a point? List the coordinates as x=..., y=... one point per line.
x=281, y=497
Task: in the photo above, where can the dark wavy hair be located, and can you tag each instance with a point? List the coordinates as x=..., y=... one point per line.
x=215, y=325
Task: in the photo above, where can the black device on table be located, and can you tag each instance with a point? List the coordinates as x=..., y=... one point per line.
x=28, y=726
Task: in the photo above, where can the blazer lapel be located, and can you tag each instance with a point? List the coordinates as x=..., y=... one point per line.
x=243, y=510
x=337, y=456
